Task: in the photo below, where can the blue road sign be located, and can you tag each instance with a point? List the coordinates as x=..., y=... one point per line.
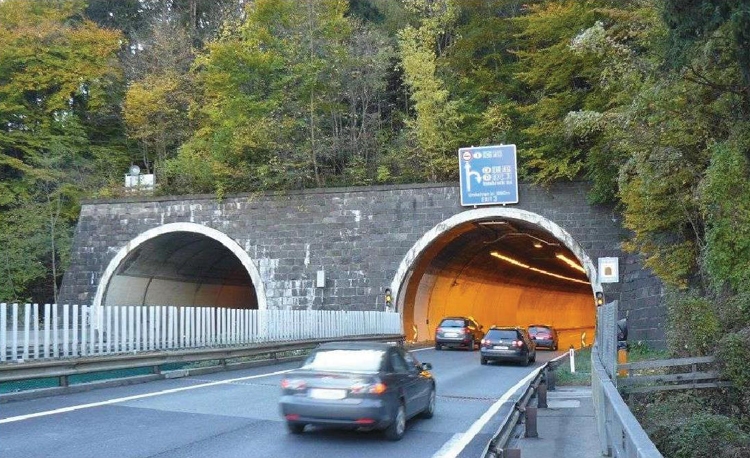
x=489, y=175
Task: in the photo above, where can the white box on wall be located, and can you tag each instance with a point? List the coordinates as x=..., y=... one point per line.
x=609, y=270
x=320, y=281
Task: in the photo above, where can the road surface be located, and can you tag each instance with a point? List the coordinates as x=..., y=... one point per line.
x=235, y=414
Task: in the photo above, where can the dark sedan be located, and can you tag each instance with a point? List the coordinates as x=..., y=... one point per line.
x=507, y=344
x=358, y=385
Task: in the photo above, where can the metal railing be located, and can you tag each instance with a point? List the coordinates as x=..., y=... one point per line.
x=620, y=434
x=72, y=331
x=541, y=382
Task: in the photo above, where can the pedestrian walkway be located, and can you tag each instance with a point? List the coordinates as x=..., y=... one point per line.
x=567, y=428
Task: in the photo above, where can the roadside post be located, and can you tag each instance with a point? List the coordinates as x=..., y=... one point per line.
x=572, y=354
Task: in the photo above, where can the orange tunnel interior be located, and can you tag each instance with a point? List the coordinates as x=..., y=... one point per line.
x=501, y=273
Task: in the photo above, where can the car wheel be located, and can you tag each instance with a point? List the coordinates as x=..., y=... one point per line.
x=395, y=431
x=295, y=428
x=533, y=359
x=429, y=411
x=528, y=360
x=438, y=347
x=471, y=345
x=554, y=347
x=483, y=361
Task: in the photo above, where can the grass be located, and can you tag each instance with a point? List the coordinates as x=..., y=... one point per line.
x=582, y=375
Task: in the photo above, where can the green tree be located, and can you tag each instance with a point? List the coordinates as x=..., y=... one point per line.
x=60, y=133
x=437, y=116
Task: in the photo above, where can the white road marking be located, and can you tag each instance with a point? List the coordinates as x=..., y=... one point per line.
x=134, y=397
x=448, y=445
x=453, y=447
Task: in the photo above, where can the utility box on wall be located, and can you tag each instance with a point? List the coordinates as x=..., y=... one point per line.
x=609, y=270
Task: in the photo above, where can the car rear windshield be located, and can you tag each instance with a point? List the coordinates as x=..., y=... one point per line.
x=354, y=360
x=502, y=334
x=539, y=329
x=452, y=323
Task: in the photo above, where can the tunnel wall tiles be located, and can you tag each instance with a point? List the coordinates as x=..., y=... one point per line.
x=357, y=235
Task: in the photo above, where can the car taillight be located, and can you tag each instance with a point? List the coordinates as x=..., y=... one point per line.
x=465, y=330
x=375, y=388
x=439, y=330
x=485, y=342
x=293, y=384
x=378, y=388
x=518, y=343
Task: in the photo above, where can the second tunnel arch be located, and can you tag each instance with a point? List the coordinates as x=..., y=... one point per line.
x=417, y=292
x=215, y=236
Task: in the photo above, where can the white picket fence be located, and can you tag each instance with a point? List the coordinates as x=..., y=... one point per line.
x=70, y=331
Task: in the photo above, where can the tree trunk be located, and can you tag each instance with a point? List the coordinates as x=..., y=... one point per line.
x=313, y=153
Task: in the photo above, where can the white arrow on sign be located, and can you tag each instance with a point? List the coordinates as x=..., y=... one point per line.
x=469, y=174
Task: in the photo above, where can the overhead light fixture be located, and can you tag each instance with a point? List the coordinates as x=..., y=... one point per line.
x=492, y=223
x=570, y=262
x=535, y=269
x=537, y=245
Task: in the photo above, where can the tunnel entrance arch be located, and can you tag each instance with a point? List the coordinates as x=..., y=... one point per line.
x=182, y=264
x=502, y=266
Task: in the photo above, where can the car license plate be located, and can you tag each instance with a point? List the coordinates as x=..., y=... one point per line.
x=500, y=347
x=451, y=334
x=321, y=393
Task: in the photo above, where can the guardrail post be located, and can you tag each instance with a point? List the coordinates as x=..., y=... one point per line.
x=530, y=421
x=157, y=370
x=551, y=379
x=63, y=380
x=541, y=396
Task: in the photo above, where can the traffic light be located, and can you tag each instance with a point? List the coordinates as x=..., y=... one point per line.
x=599, y=298
x=388, y=299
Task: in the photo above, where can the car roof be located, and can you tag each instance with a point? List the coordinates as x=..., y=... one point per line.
x=355, y=346
x=455, y=318
x=540, y=326
x=506, y=328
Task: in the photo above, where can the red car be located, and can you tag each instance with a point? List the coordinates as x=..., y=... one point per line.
x=543, y=336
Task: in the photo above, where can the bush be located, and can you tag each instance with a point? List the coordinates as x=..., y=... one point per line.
x=687, y=425
x=693, y=324
x=707, y=435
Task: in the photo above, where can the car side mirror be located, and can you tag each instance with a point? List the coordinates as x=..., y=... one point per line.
x=426, y=366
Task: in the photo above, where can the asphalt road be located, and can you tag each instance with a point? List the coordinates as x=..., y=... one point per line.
x=235, y=413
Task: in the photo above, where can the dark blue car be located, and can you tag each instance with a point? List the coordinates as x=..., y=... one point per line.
x=358, y=385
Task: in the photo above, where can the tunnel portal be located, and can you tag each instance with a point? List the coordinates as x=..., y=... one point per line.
x=181, y=269
x=502, y=272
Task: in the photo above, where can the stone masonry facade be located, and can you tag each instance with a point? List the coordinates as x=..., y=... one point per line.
x=357, y=235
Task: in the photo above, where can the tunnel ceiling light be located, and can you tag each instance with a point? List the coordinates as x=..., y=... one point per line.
x=535, y=269
x=570, y=262
x=537, y=245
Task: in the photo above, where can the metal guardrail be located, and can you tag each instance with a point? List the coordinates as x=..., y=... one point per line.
x=620, y=434
x=63, y=369
x=543, y=381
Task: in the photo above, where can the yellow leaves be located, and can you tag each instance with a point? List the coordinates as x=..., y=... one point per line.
x=55, y=59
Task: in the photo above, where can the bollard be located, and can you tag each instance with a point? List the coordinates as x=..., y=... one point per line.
x=572, y=354
x=530, y=414
x=541, y=396
x=551, y=380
